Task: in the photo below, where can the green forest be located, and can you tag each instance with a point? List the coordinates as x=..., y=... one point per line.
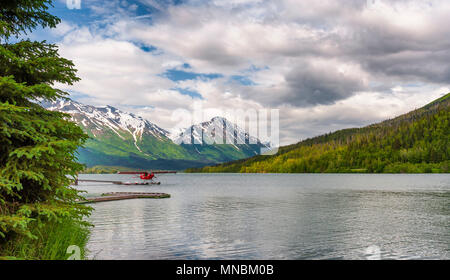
x=416, y=142
x=39, y=214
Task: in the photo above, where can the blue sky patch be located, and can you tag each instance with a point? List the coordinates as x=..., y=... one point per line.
x=148, y=48
x=76, y=95
x=188, y=92
x=145, y=47
x=254, y=68
x=243, y=80
x=180, y=75
x=94, y=11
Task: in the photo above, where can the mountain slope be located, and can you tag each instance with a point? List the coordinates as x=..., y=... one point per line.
x=414, y=142
x=197, y=138
x=118, y=138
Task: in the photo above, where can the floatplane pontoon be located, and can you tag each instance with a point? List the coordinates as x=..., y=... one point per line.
x=145, y=176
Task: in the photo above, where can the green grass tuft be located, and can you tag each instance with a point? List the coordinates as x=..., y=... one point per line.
x=52, y=242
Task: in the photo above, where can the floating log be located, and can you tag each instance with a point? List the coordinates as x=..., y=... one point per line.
x=137, y=183
x=124, y=195
x=98, y=181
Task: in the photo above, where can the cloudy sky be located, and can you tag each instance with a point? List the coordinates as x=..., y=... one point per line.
x=325, y=65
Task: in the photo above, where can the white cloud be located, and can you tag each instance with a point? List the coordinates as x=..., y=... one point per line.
x=325, y=64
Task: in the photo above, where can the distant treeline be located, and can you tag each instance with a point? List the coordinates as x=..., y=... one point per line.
x=417, y=142
x=103, y=169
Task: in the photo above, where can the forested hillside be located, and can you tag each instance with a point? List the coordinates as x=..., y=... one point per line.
x=416, y=142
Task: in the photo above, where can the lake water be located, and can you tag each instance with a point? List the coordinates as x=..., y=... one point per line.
x=286, y=216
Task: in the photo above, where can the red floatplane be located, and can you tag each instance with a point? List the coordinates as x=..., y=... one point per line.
x=147, y=176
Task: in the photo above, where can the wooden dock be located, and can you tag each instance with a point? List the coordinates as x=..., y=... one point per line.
x=124, y=195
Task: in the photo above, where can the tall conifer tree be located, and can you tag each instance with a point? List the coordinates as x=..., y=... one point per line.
x=37, y=147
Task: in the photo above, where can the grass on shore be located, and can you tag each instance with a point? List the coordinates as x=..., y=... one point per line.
x=52, y=242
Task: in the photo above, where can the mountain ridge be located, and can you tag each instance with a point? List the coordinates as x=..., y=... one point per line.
x=414, y=142
x=118, y=138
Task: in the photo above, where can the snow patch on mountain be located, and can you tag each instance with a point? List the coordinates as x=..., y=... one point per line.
x=121, y=123
x=219, y=131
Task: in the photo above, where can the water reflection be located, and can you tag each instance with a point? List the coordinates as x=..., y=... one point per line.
x=232, y=216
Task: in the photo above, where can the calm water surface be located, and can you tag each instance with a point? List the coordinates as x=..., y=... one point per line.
x=261, y=216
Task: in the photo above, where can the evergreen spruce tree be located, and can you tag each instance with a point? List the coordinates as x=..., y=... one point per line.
x=37, y=147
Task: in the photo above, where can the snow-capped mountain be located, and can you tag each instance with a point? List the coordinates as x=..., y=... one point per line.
x=218, y=131
x=96, y=119
x=118, y=138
